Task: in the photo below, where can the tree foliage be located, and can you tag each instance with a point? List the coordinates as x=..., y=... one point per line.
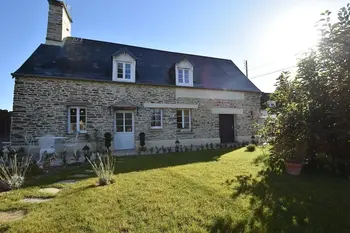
x=314, y=107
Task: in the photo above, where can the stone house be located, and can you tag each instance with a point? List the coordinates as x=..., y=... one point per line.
x=72, y=84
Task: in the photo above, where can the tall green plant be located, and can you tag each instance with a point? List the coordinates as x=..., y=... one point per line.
x=13, y=170
x=104, y=168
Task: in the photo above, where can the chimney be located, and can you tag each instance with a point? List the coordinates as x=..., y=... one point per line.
x=59, y=23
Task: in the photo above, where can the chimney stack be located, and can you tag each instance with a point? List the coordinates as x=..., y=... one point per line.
x=59, y=23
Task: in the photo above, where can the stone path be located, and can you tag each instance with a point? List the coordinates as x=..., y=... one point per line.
x=35, y=200
x=9, y=216
x=49, y=190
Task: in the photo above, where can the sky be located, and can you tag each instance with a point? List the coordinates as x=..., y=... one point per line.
x=270, y=34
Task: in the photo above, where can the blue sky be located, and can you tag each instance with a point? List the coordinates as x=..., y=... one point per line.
x=270, y=34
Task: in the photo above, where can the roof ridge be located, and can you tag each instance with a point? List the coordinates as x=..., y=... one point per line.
x=160, y=50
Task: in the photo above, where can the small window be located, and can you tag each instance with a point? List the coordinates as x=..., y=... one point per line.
x=77, y=120
x=183, y=119
x=157, y=118
x=124, y=70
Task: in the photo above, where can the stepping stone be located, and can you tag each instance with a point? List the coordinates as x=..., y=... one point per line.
x=80, y=175
x=35, y=200
x=66, y=182
x=49, y=190
x=9, y=216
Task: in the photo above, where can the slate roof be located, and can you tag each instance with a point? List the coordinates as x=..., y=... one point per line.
x=90, y=59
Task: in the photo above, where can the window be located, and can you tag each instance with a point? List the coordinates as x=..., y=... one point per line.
x=77, y=120
x=183, y=119
x=123, y=70
x=183, y=76
x=123, y=122
x=157, y=118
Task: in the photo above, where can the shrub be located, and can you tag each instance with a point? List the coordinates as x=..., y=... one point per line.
x=108, y=140
x=104, y=168
x=250, y=147
x=63, y=156
x=13, y=170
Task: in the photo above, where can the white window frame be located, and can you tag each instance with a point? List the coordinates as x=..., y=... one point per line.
x=124, y=69
x=161, y=119
x=124, y=59
x=183, y=119
x=77, y=119
x=181, y=67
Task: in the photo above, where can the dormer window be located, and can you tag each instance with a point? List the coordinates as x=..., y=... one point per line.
x=124, y=66
x=184, y=73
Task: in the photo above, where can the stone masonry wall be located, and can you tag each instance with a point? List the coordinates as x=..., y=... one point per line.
x=41, y=106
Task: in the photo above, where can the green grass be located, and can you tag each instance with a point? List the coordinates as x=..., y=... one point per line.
x=207, y=191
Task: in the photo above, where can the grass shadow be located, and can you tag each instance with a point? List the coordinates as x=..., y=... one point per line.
x=284, y=203
x=128, y=164
x=147, y=162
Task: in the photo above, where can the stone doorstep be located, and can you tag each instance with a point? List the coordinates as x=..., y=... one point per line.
x=49, y=190
x=35, y=200
x=9, y=216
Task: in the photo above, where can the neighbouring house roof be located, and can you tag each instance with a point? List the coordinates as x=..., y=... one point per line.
x=89, y=59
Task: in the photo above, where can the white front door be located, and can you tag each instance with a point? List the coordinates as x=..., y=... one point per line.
x=124, y=130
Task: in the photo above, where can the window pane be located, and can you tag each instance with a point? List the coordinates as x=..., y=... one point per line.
x=187, y=125
x=119, y=122
x=120, y=129
x=186, y=112
x=120, y=70
x=73, y=127
x=127, y=76
x=82, y=125
x=82, y=111
x=82, y=122
x=128, y=116
x=128, y=121
x=128, y=128
x=179, y=119
x=73, y=111
x=119, y=115
x=180, y=75
x=127, y=67
x=187, y=79
x=73, y=119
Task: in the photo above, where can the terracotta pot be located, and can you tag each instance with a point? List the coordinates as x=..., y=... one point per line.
x=293, y=168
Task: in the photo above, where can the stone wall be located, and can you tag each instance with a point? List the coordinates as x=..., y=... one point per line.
x=41, y=106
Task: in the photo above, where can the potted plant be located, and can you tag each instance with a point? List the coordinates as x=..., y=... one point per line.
x=108, y=140
x=295, y=160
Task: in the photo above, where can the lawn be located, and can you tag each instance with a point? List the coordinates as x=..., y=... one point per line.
x=206, y=191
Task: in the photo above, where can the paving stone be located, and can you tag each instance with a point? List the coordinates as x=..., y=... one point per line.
x=9, y=216
x=49, y=190
x=35, y=200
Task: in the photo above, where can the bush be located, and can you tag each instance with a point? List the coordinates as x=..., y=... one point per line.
x=104, y=168
x=13, y=170
x=251, y=147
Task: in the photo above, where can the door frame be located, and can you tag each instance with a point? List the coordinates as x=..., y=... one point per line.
x=115, y=126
